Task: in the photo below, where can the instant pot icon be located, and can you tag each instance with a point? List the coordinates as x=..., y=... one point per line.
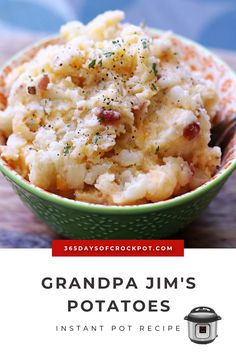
x=202, y=325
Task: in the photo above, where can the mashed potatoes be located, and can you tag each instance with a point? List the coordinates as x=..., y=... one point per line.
x=111, y=114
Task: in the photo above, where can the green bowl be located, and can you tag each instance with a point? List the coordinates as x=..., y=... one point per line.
x=80, y=220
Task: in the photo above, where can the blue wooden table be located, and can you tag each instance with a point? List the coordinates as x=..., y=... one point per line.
x=211, y=22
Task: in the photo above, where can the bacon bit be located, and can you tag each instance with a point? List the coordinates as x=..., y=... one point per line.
x=193, y=67
x=7, y=70
x=207, y=62
x=209, y=77
x=108, y=116
x=77, y=80
x=43, y=83
x=191, y=131
x=3, y=100
x=226, y=85
x=230, y=112
x=226, y=101
x=2, y=81
x=190, y=52
x=31, y=90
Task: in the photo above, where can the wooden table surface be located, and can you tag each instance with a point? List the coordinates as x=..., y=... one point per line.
x=216, y=227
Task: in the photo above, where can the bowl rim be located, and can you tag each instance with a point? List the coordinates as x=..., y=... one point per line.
x=217, y=179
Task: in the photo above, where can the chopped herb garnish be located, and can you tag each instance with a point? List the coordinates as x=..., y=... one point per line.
x=100, y=62
x=67, y=149
x=154, y=68
x=96, y=138
x=157, y=149
x=108, y=54
x=144, y=43
x=92, y=63
x=154, y=87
